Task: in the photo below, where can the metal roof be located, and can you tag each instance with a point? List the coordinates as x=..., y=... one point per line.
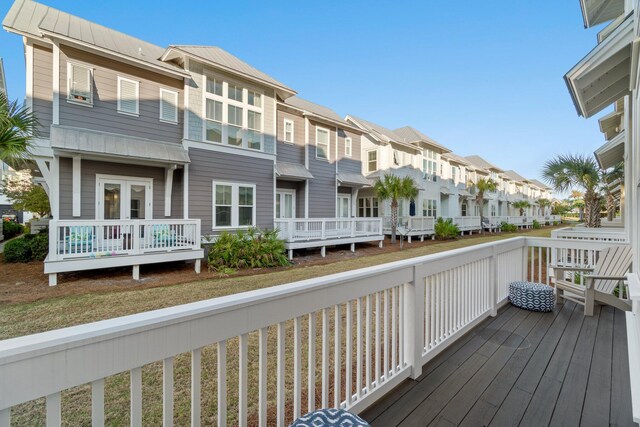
x=220, y=58
x=455, y=158
x=413, y=135
x=292, y=170
x=482, y=163
x=514, y=176
x=596, y=12
x=355, y=179
x=318, y=111
x=612, y=152
x=540, y=184
x=35, y=19
x=381, y=132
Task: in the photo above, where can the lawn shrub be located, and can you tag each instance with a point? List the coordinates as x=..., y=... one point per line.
x=446, y=229
x=11, y=229
x=509, y=228
x=250, y=249
x=17, y=250
x=39, y=244
x=555, y=223
x=536, y=225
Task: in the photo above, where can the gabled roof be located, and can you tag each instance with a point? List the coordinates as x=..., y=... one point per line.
x=514, y=176
x=220, y=58
x=539, y=184
x=596, y=12
x=318, y=111
x=455, y=158
x=35, y=20
x=482, y=163
x=380, y=133
x=413, y=136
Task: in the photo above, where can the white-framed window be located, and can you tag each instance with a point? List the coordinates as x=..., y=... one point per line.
x=372, y=161
x=429, y=165
x=348, y=147
x=234, y=205
x=464, y=209
x=79, y=83
x=168, y=106
x=368, y=207
x=234, y=115
x=322, y=143
x=429, y=208
x=288, y=131
x=493, y=210
x=396, y=157
x=128, y=96
x=455, y=174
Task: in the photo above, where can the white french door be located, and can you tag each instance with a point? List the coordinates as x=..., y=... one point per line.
x=285, y=204
x=344, y=206
x=123, y=198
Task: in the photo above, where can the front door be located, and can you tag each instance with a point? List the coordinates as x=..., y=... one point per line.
x=123, y=198
x=285, y=204
x=344, y=206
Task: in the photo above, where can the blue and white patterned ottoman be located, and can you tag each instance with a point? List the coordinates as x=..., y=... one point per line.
x=330, y=418
x=531, y=296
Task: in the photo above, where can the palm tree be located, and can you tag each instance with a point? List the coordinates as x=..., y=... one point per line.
x=607, y=177
x=482, y=186
x=18, y=126
x=394, y=188
x=544, y=204
x=522, y=205
x=576, y=171
x=577, y=201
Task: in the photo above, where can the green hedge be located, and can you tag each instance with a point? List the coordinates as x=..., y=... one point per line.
x=250, y=249
x=509, y=228
x=11, y=229
x=27, y=248
x=446, y=229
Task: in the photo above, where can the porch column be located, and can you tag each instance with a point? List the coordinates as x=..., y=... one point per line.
x=168, y=188
x=354, y=201
x=76, y=185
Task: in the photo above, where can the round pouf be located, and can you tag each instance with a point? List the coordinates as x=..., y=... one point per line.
x=330, y=418
x=531, y=296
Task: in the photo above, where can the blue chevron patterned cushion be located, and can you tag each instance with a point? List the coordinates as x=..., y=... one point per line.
x=330, y=418
x=531, y=296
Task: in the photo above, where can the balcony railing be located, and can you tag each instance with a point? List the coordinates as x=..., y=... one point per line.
x=596, y=234
x=70, y=239
x=358, y=333
x=301, y=230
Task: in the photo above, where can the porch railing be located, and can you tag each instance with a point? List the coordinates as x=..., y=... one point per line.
x=300, y=230
x=466, y=223
x=358, y=333
x=598, y=234
x=633, y=338
x=70, y=239
x=417, y=224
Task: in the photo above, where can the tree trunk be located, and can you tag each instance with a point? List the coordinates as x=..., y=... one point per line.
x=611, y=207
x=592, y=209
x=394, y=219
x=480, y=201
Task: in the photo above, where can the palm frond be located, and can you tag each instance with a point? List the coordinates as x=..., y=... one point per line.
x=18, y=126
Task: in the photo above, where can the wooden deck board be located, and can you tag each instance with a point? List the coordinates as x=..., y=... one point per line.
x=522, y=368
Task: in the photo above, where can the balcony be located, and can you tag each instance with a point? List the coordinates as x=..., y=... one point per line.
x=323, y=232
x=76, y=245
x=430, y=339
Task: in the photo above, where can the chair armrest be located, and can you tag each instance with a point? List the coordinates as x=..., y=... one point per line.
x=562, y=268
x=589, y=278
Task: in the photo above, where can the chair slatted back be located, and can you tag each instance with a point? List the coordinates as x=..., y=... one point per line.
x=612, y=262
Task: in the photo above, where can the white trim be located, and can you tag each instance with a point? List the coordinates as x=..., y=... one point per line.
x=177, y=98
x=76, y=185
x=348, y=142
x=101, y=178
x=318, y=128
x=377, y=160
x=235, y=205
x=168, y=189
x=121, y=79
x=185, y=194
x=306, y=165
x=228, y=149
x=55, y=188
x=29, y=78
x=55, y=105
x=283, y=191
x=284, y=131
x=71, y=63
x=186, y=109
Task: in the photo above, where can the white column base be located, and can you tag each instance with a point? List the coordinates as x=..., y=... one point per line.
x=136, y=272
x=323, y=251
x=198, y=266
x=353, y=247
x=53, y=279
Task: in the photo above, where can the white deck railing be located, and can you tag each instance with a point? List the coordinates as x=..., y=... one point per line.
x=359, y=334
x=300, y=230
x=466, y=223
x=597, y=234
x=633, y=340
x=416, y=224
x=69, y=239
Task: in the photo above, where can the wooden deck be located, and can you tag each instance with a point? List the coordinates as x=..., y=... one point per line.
x=522, y=368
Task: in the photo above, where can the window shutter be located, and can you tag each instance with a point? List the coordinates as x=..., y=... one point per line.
x=80, y=83
x=128, y=99
x=168, y=106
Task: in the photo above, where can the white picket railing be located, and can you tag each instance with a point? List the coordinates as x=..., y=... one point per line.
x=466, y=223
x=598, y=234
x=371, y=328
x=416, y=224
x=69, y=239
x=300, y=230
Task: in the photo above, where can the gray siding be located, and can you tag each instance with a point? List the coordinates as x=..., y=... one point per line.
x=89, y=169
x=43, y=87
x=207, y=166
x=353, y=163
x=104, y=115
x=292, y=153
x=299, y=187
x=322, y=188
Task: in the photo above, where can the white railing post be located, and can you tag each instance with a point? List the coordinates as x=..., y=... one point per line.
x=414, y=323
x=53, y=240
x=198, y=236
x=323, y=226
x=353, y=227
x=493, y=280
x=135, y=236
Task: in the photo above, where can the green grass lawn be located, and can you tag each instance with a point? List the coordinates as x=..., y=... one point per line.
x=27, y=318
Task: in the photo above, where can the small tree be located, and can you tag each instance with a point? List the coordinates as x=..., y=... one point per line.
x=608, y=177
x=521, y=205
x=18, y=125
x=544, y=204
x=25, y=195
x=482, y=186
x=394, y=188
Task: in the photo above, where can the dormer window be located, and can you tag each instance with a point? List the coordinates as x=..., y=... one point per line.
x=80, y=83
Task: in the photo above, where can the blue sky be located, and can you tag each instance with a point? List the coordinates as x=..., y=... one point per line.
x=479, y=77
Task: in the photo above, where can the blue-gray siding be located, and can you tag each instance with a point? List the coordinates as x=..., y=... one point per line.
x=43, y=88
x=322, y=188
